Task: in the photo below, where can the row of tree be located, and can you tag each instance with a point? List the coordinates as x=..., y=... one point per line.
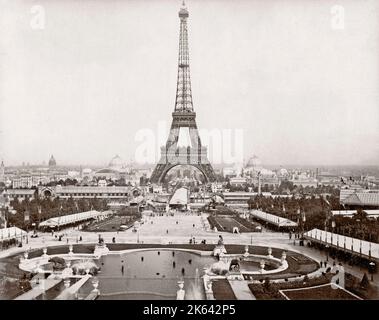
x=317, y=213
x=40, y=209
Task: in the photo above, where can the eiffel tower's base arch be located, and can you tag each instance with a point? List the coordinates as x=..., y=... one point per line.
x=161, y=171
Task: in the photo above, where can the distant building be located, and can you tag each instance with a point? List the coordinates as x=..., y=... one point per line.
x=157, y=188
x=253, y=166
x=52, y=162
x=102, y=183
x=347, y=191
x=115, y=170
x=100, y=192
x=20, y=194
x=216, y=187
x=283, y=173
x=237, y=199
x=29, y=181
x=362, y=199
x=238, y=182
x=229, y=172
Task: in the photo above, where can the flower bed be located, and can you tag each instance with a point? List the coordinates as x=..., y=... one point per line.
x=214, y=223
x=323, y=292
x=249, y=225
x=270, y=291
x=222, y=290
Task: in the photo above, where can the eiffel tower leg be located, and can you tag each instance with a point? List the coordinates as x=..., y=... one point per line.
x=159, y=173
x=207, y=170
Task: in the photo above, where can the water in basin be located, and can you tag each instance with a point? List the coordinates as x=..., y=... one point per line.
x=151, y=274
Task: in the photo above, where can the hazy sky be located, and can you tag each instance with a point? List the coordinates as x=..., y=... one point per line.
x=302, y=91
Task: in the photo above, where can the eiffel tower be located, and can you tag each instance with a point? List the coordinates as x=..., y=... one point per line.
x=183, y=146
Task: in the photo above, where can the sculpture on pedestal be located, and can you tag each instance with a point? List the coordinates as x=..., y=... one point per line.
x=219, y=250
x=269, y=251
x=180, y=293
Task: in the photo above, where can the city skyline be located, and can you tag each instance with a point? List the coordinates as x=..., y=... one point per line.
x=84, y=85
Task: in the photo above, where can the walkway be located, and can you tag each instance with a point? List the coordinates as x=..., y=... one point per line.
x=69, y=292
x=241, y=290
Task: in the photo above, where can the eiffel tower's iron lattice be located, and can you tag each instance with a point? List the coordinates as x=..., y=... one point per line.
x=183, y=116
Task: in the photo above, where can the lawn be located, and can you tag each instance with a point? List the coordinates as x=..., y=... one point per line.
x=271, y=291
x=226, y=223
x=112, y=224
x=323, y=292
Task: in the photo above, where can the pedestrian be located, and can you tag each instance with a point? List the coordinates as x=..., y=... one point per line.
x=325, y=263
x=173, y=264
x=167, y=231
x=321, y=263
x=122, y=269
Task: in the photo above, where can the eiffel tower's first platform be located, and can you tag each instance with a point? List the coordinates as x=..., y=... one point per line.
x=183, y=117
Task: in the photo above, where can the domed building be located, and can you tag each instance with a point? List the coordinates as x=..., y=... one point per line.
x=254, y=162
x=115, y=170
x=52, y=162
x=253, y=166
x=116, y=163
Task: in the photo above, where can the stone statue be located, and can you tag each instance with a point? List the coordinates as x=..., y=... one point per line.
x=180, y=293
x=219, y=250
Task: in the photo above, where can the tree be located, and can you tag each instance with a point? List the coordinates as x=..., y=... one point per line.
x=267, y=284
x=365, y=283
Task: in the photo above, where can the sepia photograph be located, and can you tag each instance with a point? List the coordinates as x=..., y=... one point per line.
x=209, y=151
